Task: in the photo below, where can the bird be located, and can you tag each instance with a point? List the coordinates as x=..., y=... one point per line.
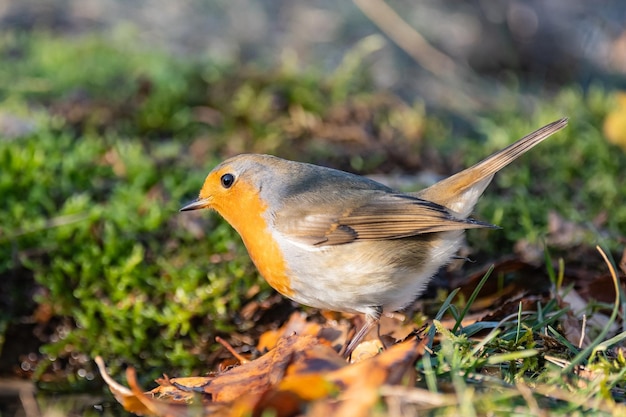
x=339, y=241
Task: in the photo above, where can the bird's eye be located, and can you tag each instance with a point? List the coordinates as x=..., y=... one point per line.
x=227, y=180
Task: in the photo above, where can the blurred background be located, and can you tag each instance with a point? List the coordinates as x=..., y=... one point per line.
x=427, y=48
x=112, y=112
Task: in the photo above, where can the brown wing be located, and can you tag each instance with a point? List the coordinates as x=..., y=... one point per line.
x=380, y=216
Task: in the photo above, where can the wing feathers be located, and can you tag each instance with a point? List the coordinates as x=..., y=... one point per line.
x=381, y=216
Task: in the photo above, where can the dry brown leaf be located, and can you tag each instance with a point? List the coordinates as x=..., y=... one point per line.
x=260, y=374
x=394, y=360
x=394, y=327
x=563, y=233
x=335, y=334
x=361, y=396
x=366, y=350
x=297, y=324
x=572, y=322
x=158, y=407
x=299, y=370
x=168, y=388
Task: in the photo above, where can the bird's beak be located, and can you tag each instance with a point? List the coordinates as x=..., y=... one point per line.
x=197, y=204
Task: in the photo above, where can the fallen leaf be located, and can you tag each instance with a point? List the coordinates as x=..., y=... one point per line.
x=615, y=122
x=297, y=324
x=258, y=375
x=299, y=371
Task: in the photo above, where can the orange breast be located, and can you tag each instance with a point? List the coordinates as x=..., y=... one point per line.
x=244, y=210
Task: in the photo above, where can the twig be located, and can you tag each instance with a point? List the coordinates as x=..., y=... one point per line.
x=408, y=39
x=232, y=350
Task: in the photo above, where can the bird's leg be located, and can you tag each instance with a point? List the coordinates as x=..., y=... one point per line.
x=371, y=320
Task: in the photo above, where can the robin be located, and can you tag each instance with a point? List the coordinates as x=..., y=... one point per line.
x=339, y=241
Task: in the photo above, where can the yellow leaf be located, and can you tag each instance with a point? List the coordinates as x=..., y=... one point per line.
x=615, y=122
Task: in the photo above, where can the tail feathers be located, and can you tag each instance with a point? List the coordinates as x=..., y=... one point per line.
x=461, y=191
